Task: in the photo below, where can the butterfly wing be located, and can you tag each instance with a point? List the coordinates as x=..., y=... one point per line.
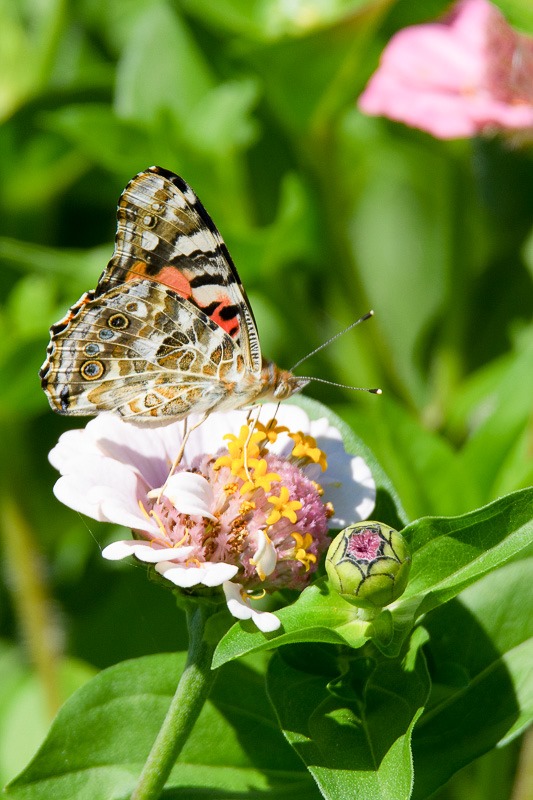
x=144, y=352
x=165, y=234
x=168, y=329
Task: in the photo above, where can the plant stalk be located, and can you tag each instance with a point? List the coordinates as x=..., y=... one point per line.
x=192, y=692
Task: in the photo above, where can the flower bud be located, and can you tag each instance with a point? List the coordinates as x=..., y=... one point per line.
x=368, y=564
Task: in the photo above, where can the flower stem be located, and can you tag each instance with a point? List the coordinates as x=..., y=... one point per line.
x=191, y=694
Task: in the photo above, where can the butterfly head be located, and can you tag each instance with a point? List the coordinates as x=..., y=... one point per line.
x=279, y=384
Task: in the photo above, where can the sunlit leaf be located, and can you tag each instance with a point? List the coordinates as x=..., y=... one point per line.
x=353, y=733
x=101, y=738
x=481, y=651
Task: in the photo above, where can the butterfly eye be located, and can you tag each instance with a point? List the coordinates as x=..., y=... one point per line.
x=91, y=370
x=118, y=321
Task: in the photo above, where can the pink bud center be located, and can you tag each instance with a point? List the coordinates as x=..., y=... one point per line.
x=364, y=546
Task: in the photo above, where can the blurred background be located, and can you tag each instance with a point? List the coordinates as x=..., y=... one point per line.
x=327, y=213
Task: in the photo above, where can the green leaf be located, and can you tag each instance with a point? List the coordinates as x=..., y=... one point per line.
x=101, y=738
x=123, y=147
x=500, y=415
x=518, y=13
x=318, y=615
x=79, y=267
x=220, y=122
x=353, y=729
x=27, y=50
x=451, y=553
x=161, y=68
x=405, y=274
x=332, y=57
x=481, y=652
x=274, y=20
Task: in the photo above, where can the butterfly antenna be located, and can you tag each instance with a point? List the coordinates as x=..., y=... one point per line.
x=329, y=341
x=341, y=385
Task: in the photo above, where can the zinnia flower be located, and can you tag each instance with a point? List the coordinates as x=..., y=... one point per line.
x=248, y=507
x=468, y=74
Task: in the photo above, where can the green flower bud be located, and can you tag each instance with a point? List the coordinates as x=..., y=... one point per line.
x=368, y=564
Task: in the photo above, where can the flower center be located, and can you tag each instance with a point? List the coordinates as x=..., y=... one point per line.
x=247, y=507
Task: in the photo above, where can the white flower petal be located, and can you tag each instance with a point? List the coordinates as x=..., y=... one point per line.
x=241, y=608
x=189, y=493
x=144, y=552
x=208, y=574
x=265, y=621
x=265, y=556
x=351, y=489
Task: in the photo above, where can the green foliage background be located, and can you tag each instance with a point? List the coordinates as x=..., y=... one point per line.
x=327, y=213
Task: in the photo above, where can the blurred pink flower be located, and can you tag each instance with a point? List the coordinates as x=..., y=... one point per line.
x=468, y=74
x=218, y=521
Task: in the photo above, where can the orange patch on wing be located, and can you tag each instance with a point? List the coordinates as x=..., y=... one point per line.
x=167, y=276
x=231, y=325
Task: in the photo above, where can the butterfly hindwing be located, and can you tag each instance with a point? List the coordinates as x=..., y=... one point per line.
x=143, y=351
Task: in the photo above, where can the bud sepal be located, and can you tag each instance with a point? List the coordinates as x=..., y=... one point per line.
x=368, y=564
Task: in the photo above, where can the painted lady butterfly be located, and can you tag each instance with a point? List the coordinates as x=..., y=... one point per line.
x=168, y=329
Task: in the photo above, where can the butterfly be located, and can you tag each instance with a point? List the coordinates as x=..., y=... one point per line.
x=168, y=329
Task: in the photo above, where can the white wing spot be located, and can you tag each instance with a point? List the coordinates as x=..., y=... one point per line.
x=195, y=241
x=149, y=240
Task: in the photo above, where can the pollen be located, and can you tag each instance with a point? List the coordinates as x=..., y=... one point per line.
x=245, y=442
x=283, y=507
x=300, y=551
x=271, y=430
x=260, y=478
x=305, y=449
x=242, y=450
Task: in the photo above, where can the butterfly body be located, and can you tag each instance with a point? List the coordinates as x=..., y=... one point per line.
x=168, y=329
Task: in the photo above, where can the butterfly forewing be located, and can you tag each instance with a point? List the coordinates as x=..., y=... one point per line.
x=168, y=329
x=165, y=234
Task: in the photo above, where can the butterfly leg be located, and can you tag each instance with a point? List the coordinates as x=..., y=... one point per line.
x=186, y=433
x=251, y=429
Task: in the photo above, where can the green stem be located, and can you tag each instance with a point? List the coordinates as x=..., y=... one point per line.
x=191, y=694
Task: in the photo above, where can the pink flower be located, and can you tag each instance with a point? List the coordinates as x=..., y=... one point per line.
x=468, y=74
x=246, y=509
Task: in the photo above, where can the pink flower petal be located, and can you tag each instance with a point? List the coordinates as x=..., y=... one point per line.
x=468, y=74
x=107, y=491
